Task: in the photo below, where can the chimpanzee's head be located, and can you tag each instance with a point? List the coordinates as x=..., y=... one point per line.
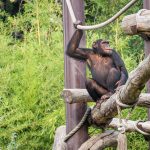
x=18, y=35
x=102, y=47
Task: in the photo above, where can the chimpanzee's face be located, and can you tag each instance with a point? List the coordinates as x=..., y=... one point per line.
x=102, y=47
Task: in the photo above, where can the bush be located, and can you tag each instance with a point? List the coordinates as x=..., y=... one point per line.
x=31, y=71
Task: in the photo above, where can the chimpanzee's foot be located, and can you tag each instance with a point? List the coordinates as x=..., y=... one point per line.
x=99, y=102
x=106, y=96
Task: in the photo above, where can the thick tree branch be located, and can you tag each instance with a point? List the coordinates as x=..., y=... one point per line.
x=101, y=141
x=128, y=94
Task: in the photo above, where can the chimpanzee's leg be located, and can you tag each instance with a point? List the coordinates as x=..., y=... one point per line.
x=94, y=89
x=113, y=77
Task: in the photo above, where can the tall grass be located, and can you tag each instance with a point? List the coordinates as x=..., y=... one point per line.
x=31, y=72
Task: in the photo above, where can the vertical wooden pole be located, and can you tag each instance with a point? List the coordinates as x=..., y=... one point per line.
x=73, y=77
x=146, y=5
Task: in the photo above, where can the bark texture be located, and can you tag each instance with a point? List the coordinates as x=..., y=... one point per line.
x=130, y=125
x=59, y=137
x=127, y=94
x=137, y=23
x=81, y=95
x=101, y=141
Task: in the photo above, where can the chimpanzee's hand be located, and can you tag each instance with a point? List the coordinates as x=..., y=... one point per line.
x=120, y=82
x=78, y=22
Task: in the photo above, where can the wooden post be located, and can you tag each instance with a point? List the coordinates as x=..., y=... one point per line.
x=73, y=77
x=146, y=5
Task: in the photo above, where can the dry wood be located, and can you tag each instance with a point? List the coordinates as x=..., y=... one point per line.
x=101, y=141
x=130, y=125
x=122, y=142
x=128, y=94
x=59, y=137
x=81, y=95
x=76, y=96
x=135, y=24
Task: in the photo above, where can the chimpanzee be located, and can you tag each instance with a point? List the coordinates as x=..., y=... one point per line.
x=13, y=6
x=18, y=35
x=106, y=66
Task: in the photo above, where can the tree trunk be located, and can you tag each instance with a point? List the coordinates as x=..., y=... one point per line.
x=127, y=94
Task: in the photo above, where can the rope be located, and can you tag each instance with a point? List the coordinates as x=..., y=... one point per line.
x=71, y=133
x=139, y=130
x=121, y=126
x=123, y=105
x=120, y=104
x=71, y=11
x=74, y=20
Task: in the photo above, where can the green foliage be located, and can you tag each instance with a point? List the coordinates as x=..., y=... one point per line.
x=31, y=75
x=31, y=71
x=130, y=48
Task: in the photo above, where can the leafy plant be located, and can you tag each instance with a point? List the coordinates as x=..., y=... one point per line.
x=31, y=71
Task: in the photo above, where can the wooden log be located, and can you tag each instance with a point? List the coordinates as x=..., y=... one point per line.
x=122, y=142
x=137, y=23
x=101, y=141
x=130, y=125
x=72, y=76
x=144, y=100
x=59, y=137
x=81, y=95
x=76, y=96
x=128, y=94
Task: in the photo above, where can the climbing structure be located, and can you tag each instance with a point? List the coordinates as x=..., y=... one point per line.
x=128, y=96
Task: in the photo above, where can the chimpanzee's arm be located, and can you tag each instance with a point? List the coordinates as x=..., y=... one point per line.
x=72, y=48
x=121, y=66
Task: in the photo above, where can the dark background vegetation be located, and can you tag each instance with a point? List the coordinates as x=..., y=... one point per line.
x=31, y=70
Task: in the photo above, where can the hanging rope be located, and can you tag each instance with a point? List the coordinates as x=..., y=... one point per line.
x=121, y=126
x=71, y=133
x=74, y=20
x=139, y=130
x=81, y=123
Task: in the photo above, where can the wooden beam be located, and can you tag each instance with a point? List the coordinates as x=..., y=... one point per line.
x=137, y=23
x=73, y=78
x=76, y=96
x=101, y=141
x=59, y=138
x=130, y=125
x=82, y=96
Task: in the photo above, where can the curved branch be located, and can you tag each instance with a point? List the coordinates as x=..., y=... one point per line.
x=128, y=94
x=101, y=141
